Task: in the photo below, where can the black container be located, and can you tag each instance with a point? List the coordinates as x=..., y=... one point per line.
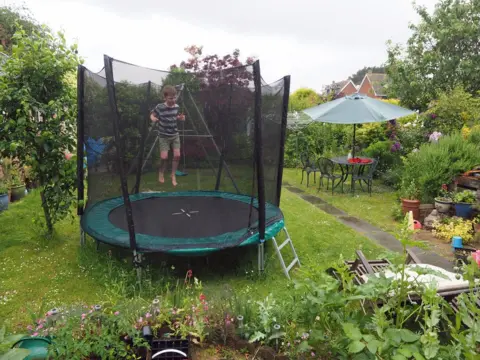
x=173, y=343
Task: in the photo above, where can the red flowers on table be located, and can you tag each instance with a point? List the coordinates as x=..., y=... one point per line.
x=358, y=160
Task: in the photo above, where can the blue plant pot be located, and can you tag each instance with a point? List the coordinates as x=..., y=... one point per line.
x=3, y=202
x=463, y=210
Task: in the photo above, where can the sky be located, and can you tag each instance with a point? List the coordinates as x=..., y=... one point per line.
x=314, y=41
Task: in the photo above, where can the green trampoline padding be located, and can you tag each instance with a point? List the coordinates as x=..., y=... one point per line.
x=182, y=223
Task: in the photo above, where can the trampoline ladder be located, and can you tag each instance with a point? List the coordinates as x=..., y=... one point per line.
x=278, y=249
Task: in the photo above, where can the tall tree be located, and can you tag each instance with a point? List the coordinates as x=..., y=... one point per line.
x=360, y=74
x=442, y=53
x=37, y=123
x=11, y=20
x=304, y=98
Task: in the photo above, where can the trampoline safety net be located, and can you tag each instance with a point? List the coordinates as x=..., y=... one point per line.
x=218, y=140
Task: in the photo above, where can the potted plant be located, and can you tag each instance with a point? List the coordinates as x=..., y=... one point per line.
x=464, y=201
x=17, y=187
x=3, y=196
x=443, y=203
x=410, y=202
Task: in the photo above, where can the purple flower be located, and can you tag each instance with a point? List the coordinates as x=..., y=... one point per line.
x=393, y=122
x=395, y=146
x=433, y=116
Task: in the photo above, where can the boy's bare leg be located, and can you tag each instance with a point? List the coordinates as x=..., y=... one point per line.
x=163, y=166
x=176, y=160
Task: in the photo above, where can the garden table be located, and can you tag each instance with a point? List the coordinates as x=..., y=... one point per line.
x=350, y=167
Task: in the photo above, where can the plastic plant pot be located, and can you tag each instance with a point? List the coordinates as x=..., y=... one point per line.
x=3, y=202
x=463, y=210
x=18, y=192
x=38, y=347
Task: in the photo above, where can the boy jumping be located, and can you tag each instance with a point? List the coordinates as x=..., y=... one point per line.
x=166, y=115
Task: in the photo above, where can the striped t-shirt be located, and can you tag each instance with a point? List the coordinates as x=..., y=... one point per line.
x=167, y=117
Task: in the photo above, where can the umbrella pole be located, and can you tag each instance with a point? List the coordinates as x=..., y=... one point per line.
x=354, y=130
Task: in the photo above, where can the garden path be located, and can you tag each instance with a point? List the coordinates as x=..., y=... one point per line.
x=372, y=232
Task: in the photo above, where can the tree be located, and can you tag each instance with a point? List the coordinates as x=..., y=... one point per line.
x=442, y=53
x=304, y=98
x=11, y=20
x=360, y=74
x=37, y=124
x=222, y=90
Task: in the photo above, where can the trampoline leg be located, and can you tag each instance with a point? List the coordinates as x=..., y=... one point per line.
x=82, y=234
x=137, y=262
x=261, y=256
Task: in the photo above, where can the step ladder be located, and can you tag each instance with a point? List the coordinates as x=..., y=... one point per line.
x=278, y=249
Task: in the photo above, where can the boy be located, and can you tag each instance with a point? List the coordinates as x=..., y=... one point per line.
x=166, y=115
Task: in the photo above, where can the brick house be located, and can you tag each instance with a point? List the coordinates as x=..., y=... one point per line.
x=373, y=85
x=348, y=88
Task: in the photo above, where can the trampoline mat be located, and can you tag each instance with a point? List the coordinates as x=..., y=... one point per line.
x=186, y=216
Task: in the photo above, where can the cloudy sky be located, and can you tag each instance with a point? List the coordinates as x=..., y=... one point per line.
x=315, y=41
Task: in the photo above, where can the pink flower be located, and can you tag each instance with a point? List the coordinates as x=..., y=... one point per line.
x=476, y=257
x=116, y=313
x=35, y=334
x=148, y=315
x=40, y=327
x=84, y=316
x=29, y=327
x=140, y=320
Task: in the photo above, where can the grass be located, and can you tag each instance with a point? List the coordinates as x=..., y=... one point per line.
x=38, y=274
x=376, y=209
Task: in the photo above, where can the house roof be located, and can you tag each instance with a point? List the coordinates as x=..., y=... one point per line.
x=378, y=82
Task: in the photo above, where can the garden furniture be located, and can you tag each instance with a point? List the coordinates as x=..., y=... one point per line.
x=449, y=287
x=352, y=166
x=327, y=170
x=308, y=167
x=365, y=176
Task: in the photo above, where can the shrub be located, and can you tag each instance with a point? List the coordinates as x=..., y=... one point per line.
x=317, y=139
x=386, y=153
x=368, y=134
x=452, y=111
x=435, y=164
x=448, y=228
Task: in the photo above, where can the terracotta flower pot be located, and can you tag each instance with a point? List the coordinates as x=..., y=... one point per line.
x=413, y=206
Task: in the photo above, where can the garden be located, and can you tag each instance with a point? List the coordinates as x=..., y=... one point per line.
x=60, y=300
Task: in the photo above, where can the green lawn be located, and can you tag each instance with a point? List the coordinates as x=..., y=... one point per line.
x=376, y=209
x=59, y=271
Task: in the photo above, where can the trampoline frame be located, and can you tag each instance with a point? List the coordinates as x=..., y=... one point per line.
x=258, y=160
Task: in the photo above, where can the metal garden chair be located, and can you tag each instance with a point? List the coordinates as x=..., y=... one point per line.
x=308, y=167
x=366, y=177
x=327, y=170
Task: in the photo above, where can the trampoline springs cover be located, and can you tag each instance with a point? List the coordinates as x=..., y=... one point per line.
x=181, y=222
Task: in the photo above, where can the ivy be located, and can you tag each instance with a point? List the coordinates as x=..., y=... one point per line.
x=37, y=123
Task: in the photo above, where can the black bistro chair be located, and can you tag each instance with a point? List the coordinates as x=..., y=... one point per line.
x=308, y=167
x=365, y=176
x=327, y=170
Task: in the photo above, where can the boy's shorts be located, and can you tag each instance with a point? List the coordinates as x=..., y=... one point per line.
x=172, y=142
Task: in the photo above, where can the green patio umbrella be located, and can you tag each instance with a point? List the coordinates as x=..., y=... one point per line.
x=356, y=109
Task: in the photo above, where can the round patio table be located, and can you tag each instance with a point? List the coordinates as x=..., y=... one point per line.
x=349, y=168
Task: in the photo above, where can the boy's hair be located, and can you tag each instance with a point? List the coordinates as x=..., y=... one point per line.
x=169, y=90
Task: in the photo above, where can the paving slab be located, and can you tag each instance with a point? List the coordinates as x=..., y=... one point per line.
x=370, y=231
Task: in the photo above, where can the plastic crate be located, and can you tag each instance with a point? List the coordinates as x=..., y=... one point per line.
x=180, y=346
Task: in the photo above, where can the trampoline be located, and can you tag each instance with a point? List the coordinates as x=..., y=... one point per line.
x=232, y=148
x=192, y=223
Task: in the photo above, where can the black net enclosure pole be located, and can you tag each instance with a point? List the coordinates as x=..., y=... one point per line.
x=80, y=143
x=116, y=130
x=257, y=81
x=283, y=132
